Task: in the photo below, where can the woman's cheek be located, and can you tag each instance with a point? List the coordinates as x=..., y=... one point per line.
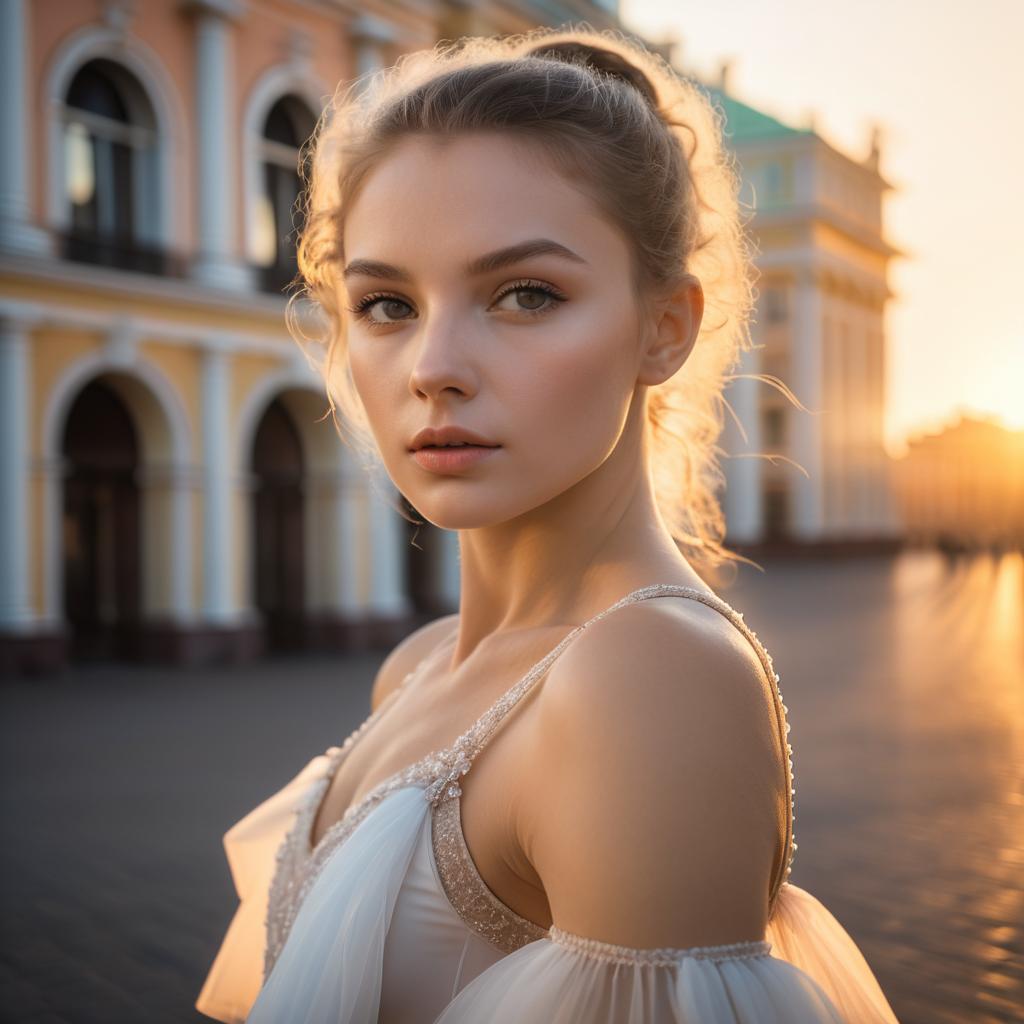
x=371, y=383
x=581, y=397
x=358, y=363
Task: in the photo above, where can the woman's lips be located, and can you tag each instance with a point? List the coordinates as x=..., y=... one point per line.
x=454, y=459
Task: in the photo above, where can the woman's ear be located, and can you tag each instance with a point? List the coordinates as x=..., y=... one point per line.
x=674, y=327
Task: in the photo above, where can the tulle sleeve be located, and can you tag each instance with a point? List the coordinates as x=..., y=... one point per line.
x=236, y=975
x=805, y=933
x=569, y=979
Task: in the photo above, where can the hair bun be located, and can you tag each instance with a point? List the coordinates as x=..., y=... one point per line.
x=599, y=58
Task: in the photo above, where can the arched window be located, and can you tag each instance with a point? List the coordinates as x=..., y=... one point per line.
x=110, y=177
x=287, y=127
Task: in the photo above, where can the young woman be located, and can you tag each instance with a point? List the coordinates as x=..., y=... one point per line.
x=529, y=257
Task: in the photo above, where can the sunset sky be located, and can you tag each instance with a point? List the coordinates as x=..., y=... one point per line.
x=946, y=81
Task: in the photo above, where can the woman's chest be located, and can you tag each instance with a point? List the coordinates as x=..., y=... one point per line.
x=404, y=734
x=430, y=711
x=420, y=724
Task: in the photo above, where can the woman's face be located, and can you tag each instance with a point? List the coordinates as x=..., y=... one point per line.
x=537, y=355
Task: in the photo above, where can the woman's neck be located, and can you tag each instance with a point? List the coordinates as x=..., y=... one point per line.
x=565, y=561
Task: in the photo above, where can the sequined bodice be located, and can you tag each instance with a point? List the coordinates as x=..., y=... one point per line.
x=438, y=774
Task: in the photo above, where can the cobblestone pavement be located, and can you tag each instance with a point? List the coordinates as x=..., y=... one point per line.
x=904, y=680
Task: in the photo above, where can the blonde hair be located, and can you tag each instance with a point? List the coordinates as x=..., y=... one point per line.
x=645, y=143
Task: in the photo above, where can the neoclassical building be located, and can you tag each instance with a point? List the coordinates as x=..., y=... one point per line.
x=819, y=328
x=170, y=486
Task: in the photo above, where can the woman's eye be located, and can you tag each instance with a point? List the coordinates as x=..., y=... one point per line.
x=539, y=298
x=387, y=305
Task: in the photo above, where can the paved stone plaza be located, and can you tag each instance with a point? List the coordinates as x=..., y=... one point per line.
x=904, y=680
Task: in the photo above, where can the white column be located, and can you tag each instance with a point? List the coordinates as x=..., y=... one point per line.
x=243, y=563
x=218, y=477
x=887, y=514
x=17, y=233
x=873, y=428
x=848, y=421
x=180, y=584
x=743, y=476
x=831, y=426
x=167, y=529
x=872, y=425
x=865, y=423
x=51, y=469
x=808, y=492
x=877, y=429
x=337, y=544
x=217, y=178
x=879, y=454
x=855, y=425
x=349, y=500
x=15, y=609
x=387, y=554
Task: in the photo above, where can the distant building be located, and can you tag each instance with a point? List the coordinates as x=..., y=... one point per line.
x=823, y=261
x=963, y=486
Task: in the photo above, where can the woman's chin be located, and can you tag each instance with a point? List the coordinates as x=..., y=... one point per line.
x=461, y=519
x=461, y=512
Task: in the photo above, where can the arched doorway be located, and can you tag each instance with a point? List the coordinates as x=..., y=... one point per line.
x=279, y=528
x=101, y=525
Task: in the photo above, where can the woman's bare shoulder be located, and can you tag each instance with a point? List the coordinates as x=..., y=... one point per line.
x=407, y=654
x=658, y=653
x=661, y=758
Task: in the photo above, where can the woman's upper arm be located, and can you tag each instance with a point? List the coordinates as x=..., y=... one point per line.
x=406, y=656
x=657, y=808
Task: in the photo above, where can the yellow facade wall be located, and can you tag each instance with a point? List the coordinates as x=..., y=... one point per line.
x=54, y=353
x=179, y=365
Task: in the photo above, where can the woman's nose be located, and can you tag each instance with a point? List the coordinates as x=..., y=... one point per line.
x=442, y=361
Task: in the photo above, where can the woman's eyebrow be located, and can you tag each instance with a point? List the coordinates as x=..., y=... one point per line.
x=481, y=265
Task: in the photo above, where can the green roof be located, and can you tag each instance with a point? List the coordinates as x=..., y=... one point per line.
x=743, y=122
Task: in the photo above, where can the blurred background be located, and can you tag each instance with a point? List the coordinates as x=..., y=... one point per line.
x=198, y=581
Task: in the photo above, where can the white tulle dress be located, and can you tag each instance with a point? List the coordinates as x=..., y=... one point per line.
x=388, y=920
